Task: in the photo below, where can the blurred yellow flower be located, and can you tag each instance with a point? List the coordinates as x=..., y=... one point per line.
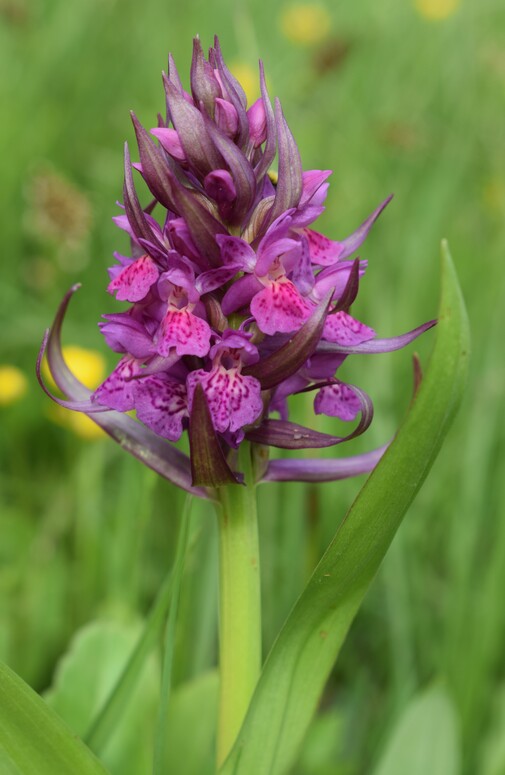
x=436, y=10
x=305, y=23
x=77, y=422
x=13, y=384
x=90, y=368
x=249, y=79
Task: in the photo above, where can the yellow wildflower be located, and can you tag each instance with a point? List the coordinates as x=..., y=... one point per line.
x=13, y=384
x=305, y=23
x=436, y=10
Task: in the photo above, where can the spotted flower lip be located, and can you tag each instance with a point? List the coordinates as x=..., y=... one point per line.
x=235, y=301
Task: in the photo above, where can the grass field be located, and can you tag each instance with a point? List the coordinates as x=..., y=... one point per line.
x=392, y=101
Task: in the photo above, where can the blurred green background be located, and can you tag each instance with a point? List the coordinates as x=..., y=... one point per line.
x=403, y=96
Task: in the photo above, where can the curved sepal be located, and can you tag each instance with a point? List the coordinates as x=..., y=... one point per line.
x=376, y=345
x=135, y=438
x=305, y=650
x=289, y=435
x=323, y=470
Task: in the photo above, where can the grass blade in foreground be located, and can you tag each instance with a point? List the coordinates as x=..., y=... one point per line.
x=302, y=657
x=33, y=739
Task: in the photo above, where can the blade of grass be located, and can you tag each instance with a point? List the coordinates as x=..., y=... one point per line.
x=166, y=678
x=100, y=729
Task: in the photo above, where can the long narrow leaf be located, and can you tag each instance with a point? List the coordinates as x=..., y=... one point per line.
x=33, y=739
x=303, y=655
x=166, y=678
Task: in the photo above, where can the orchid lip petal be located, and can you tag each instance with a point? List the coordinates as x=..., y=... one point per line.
x=323, y=470
x=208, y=463
x=162, y=457
x=387, y=345
x=284, y=362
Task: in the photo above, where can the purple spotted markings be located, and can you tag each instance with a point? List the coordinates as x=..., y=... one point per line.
x=227, y=284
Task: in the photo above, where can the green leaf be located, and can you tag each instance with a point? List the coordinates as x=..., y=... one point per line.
x=425, y=738
x=33, y=739
x=85, y=678
x=303, y=655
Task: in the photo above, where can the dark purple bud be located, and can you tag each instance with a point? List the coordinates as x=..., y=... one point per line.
x=204, y=85
x=220, y=187
x=136, y=216
x=174, y=196
x=208, y=463
x=282, y=363
x=190, y=126
x=241, y=172
x=271, y=136
x=289, y=184
x=233, y=93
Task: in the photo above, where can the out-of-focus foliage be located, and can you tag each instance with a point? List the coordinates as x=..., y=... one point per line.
x=392, y=97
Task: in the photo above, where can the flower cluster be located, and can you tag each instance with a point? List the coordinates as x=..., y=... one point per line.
x=236, y=302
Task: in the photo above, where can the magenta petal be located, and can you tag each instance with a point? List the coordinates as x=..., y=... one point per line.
x=215, y=278
x=240, y=293
x=134, y=281
x=161, y=404
x=234, y=400
x=323, y=251
x=220, y=187
x=226, y=117
x=338, y=400
x=189, y=334
x=169, y=140
x=279, y=308
x=312, y=183
x=117, y=391
x=343, y=329
x=257, y=118
x=236, y=251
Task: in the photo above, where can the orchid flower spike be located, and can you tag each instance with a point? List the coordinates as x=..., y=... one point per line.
x=236, y=303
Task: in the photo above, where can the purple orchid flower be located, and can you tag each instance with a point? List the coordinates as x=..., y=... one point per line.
x=236, y=303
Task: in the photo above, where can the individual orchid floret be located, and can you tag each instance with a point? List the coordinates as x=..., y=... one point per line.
x=234, y=301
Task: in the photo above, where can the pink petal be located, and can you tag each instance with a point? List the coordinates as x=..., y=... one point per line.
x=279, y=308
x=337, y=400
x=161, y=405
x=189, y=334
x=234, y=400
x=117, y=390
x=169, y=139
x=323, y=251
x=133, y=282
x=346, y=330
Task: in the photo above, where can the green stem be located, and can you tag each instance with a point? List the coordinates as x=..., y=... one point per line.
x=239, y=604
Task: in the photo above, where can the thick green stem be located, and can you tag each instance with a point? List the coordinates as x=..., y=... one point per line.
x=239, y=604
